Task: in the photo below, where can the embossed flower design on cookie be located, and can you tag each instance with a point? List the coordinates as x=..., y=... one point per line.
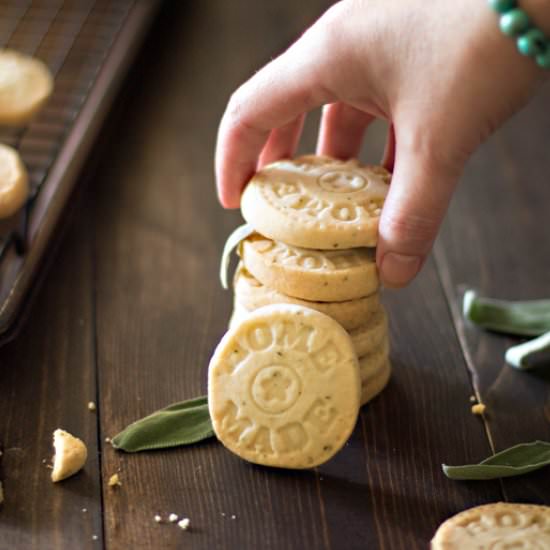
x=339, y=181
x=276, y=388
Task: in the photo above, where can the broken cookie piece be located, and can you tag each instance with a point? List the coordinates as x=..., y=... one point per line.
x=70, y=455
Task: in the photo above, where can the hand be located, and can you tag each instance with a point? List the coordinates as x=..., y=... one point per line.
x=440, y=72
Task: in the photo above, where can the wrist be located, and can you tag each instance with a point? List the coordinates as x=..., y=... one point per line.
x=519, y=24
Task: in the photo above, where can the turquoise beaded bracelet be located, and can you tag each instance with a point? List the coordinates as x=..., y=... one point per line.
x=530, y=40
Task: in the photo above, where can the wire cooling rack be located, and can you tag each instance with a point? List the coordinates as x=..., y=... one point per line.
x=87, y=45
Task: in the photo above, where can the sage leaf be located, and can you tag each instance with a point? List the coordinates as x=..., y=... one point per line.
x=178, y=424
x=527, y=318
x=531, y=354
x=238, y=235
x=514, y=461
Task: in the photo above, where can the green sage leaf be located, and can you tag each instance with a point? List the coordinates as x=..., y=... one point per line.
x=514, y=461
x=527, y=318
x=531, y=354
x=239, y=234
x=178, y=424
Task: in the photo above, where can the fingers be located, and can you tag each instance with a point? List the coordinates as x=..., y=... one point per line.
x=275, y=98
x=388, y=158
x=342, y=129
x=282, y=142
x=419, y=196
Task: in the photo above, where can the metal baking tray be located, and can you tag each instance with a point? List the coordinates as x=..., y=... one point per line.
x=88, y=46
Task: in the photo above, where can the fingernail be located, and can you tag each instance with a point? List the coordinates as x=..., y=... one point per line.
x=398, y=269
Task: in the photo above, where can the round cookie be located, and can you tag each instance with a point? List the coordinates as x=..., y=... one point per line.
x=317, y=275
x=14, y=182
x=25, y=84
x=370, y=334
x=365, y=338
x=317, y=202
x=372, y=363
x=498, y=525
x=374, y=385
x=284, y=387
x=251, y=294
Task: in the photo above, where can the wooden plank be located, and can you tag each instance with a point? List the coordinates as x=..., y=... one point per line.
x=387, y=490
x=495, y=239
x=160, y=308
x=47, y=378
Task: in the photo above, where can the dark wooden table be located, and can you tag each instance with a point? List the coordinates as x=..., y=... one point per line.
x=131, y=309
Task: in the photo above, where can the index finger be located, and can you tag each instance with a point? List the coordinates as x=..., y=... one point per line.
x=279, y=93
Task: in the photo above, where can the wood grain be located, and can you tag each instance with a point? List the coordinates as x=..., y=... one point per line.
x=496, y=240
x=133, y=301
x=47, y=378
x=161, y=312
x=160, y=308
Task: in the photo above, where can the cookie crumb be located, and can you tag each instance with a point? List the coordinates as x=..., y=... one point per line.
x=184, y=523
x=172, y=518
x=114, y=481
x=478, y=408
x=91, y=406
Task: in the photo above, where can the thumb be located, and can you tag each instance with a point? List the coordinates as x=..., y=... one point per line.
x=419, y=195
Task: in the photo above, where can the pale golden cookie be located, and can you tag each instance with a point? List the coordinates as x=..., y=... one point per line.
x=251, y=294
x=70, y=455
x=496, y=526
x=14, y=182
x=318, y=275
x=25, y=84
x=371, y=363
x=284, y=387
x=369, y=335
x=372, y=386
x=317, y=202
x=365, y=338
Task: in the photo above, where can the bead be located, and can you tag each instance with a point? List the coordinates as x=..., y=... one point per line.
x=533, y=42
x=514, y=22
x=502, y=6
x=543, y=59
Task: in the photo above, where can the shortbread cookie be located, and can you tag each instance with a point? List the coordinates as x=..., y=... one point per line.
x=25, y=84
x=365, y=338
x=251, y=294
x=370, y=364
x=14, y=182
x=374, y=385
x=498, y=525
x=371, y=334
x=317, y=202
x=70, y=455
x=318, y=275
x=284, y=387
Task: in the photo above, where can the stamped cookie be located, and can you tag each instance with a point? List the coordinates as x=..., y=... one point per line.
x=284, y=387
x=371, y=334
x=365, y=338
x=371, y=363
x=251, y=294
x=374, y=384
x=25, y=84
x=319, y=275
x=14, y=186
x=494, y=526
x=317, y=202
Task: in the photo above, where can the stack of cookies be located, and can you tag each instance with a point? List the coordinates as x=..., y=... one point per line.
x=315, y=222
